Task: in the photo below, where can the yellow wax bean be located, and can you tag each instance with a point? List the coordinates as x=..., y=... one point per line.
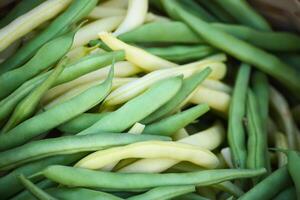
x=103, y=11
x=122, y=4
x=281, y=143
x=227, y=156
x=217, y=85
x=151, y=149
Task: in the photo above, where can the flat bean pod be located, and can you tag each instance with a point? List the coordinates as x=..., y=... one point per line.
x=164, y=193
x=169, y=125
x=76, y=11
x=56, y=115
x=79, y=177
x=138, y=108
x=188, y=86
x=152, y=149
x=67, y=145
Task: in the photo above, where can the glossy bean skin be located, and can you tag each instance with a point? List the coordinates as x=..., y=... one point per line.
x=236, y=132
x=81, y=122
x=71, y=176
x=170, y=125
x=138, y=108
x=34, y=190
x=67, y=145
x=245, y=14
x=72, y=71
x=188, y=86
x=21, y=8
x=241, y=50
x=182, y=54
x=270, y=186
x=293, y=167
x=152, y=33
x=56, y=115
x=10, y=185
x=164, y=193
x=76, y=11
x=46, y=56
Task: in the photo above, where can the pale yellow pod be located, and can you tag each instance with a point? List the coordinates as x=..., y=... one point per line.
x=218, y=101
x=129, y=91
x=207, y=139
x=135, y=16
x=102, y=12
x=122, y=4
x=226, y=153
x=281, y=143
x=217, y=85
x=135, y=55
x=151, y=17
x=150, y=149
x=121, y=69
x=30, y=20
x=117, y=82
x=137, y=128
x=182, y=133
x=91, y=30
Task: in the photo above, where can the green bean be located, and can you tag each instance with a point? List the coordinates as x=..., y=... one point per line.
x=287, y=194
x=33, y=189
x=56, y=115
x=291, y=59
x=10, y=184
x=230, y=188
x=182, y=54
x=161, y=32
x=81, y=122
x=164, y=193
x=191, y=196
x=188, y=86
x=270, y=186
x=217, y=10
x=245, y=14
x=293, y=168
x=273, y=41
x=257, y=138
x=75, y=70
x=29, y=104
x=26, y=195
x=168, y=126
x=80, y=193
x=137, y=108
x=245, y=52
x=79, y=177
x=21, y=8
x=67, y=145
x=76, y=11
x=236, y=133
x=46, y=56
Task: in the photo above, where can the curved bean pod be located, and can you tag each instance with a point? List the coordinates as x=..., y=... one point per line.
x=79, y=177
x=155, y=149
x=56, y=115
x=137, y=108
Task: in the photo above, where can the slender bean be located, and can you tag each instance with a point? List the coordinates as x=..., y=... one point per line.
x=182, y=54
x=152, y=149
x=10, y=185
x=75, y=12
x=75, y=70
x=21, y=8
x=270, y=186
x=245, y=14
x=33, y=189
x=293, y=168
x=170, y=125
x=273, y=41
x=28, y=21
x=56, y=115
x=245, y=52
x=46, y=56
x=164, y=193
x=197, y=10
x=78, y=177
x=281, y=143
x=257, y=137
x=230, y=188
x=287, y=194
x=152, y=33
x=188, y=86
x=66, y=145
x=236, y=133
x=80, y=193
x=217, y=85
x=102, y=12
x=138, y=108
